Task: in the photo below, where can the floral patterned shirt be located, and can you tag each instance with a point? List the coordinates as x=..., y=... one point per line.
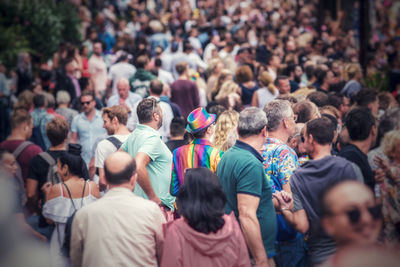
x=280, y=161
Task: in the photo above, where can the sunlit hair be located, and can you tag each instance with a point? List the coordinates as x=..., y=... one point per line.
x=25, y=100
x=227, y=121
x=227, y=88
x=390, y=141
x=221, y=79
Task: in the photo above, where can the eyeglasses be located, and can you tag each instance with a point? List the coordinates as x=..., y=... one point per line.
x=86, y=103
x=354, y=215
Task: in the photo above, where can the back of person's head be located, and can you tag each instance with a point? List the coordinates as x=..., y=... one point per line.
x=335, y=99
x=390, y=144
x=243, y=74
x=385, y=99
x=177, y=127
x=304, y=111
x=251, y=122
x=351, y=70
x=25, y=100
x=389, y=121
x=51, y=102
x=141, y=62
x=227, y=88
x=20, y=116
x=366, y=96
x=320, y=74
x=57, y=131
x=277, y=111
x=293, y=100
x=73, y=162
x=201, y=201
x=158, y=62
x=331, y=110
x=359, y=122
x=225, y=123
x=181, y=67
x=309, y=70
x=145, y=110
x=119, y=167
x=318, y=98
x=215, y=108
x=118, y=112
x=265, y=80
x=39, y=101
x=322, y=130
x=63, y=97
x=156, y=87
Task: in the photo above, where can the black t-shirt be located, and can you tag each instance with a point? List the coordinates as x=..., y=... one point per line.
x=174, y=144
x=355, y=155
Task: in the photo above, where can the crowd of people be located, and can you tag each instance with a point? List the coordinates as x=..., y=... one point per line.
x=203, y=133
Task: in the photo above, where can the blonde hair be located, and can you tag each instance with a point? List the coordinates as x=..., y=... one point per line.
x=222, y=76
x=25, y=101
x=243, y=74
x=212, y=65
x=227, y=88
x=350, y=71
x=389, y=143
x=266, y=80
x=227, y=121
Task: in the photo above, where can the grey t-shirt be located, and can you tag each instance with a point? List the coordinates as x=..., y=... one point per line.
x=307, y=184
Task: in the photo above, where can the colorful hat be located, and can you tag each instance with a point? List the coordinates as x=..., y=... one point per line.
x=199, y=119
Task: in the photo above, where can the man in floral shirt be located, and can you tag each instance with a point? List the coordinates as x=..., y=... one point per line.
x=280, y=161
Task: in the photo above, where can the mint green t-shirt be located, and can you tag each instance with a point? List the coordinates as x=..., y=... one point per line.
x=241, y=171
x=147, y=140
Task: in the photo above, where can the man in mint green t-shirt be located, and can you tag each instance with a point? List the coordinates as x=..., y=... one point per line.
x=153, y=158
x=247, y=188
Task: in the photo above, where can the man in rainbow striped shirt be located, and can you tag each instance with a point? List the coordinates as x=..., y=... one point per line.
x=199, y=153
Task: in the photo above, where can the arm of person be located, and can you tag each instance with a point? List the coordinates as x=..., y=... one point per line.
x=254, y=100
x=102, y=180
x=247, y=206
x=298, y=218
x=31, y=194
x=74, y=138
x=142, y=160
x=159, y=220
x=28, y=229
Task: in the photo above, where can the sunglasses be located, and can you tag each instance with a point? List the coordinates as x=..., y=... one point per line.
x=354, y=215
x=86, y=103
x=155, y=102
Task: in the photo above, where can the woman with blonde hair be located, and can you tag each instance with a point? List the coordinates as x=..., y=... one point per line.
x=266, y=93
x=224, y=76
x=229, y=96
x=245, y=79
x=25, y=101
x=353, y=75
x=224, y=137
x=215, y=68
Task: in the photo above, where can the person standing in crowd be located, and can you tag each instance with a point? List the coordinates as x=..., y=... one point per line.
x=153, y=158
x=98, y=70
x=283, y=85
x=183, y=91
x=266, y=93
x=199, y=153
x=247, y=189
x=67, y=80
x=204, y=235
x=126, y=99
x=87, y=126
x=307, y=183
x=17, y=142
x=225, y=130
x=120, y=228
x=140, y=81
x=362, y=130
x=40, y=118
x=244, y=77
x=353, y=76
x=177, y=134
x=63, y=99
x=280, y=161
x=115, y=119
x=64, y=198
x=120, y=70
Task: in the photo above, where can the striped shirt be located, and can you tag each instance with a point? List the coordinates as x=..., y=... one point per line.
x=199, y=153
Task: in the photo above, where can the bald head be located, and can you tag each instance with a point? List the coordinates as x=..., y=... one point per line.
x=119, y=167
x=123, y=88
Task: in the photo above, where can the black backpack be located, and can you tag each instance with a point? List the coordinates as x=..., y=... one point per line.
x=115, y=141
x=37, y=137
x=65, y=248
x=52, y=174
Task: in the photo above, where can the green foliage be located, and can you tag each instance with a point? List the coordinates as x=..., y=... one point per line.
x=378, y=80
x=36, y=26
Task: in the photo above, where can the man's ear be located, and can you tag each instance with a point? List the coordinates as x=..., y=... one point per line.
x=132, y=181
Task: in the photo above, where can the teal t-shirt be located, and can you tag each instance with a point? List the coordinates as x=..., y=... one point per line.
x=241, y=171
x=147, y=140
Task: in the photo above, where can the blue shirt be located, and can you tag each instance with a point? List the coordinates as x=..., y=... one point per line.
x=88, y=132
x=41, y=118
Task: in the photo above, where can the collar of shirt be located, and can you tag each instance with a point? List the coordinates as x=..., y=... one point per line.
x=243, y=145
x=204, y=142
x=272, y=140
x=147, y=128
x=96, y=115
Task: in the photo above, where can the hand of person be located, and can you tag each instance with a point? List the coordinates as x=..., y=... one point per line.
x=262, y=264
x=46, y=188
x=156, y=199
x=379, y=176
x=284, y=199
x=42, y=238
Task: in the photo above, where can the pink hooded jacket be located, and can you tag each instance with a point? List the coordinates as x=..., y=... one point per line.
x=184, y=246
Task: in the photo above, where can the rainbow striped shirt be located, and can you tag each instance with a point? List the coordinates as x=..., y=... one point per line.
x=199, y=153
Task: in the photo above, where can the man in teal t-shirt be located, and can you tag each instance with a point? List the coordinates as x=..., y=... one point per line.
x=153, y=158
x=247, y=189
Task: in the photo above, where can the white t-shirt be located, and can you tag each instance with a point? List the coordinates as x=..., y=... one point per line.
x=105, y=148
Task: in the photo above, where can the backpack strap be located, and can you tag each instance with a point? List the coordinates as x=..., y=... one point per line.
x=21, y=148
x=115, y=141
x=49, y=159
x=70, y=196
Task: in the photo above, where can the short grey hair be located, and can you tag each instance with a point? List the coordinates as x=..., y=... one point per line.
x=63, y=97
x=276, y=111
x=251, y=121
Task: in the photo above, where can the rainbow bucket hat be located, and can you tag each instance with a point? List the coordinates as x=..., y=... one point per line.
x=199, y=119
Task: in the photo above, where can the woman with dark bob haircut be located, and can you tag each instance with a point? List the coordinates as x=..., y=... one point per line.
x=204, y=235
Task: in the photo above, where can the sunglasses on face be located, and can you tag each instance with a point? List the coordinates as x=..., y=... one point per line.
x=354, y=215
x=86, y=103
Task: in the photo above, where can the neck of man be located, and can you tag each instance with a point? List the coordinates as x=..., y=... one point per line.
x=60, y=147
x=321, y=151
x=183, y=76
x=179, y=137
x=255, y=142
x=280, y=135
x=151, y=124
x=364, y=145
x=121, y=130
x=16, y=134
x=154, y=95
x=90, y=114
x=125, y=185
x=62, y=105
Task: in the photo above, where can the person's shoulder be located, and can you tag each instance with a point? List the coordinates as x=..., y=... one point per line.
x=32, y=149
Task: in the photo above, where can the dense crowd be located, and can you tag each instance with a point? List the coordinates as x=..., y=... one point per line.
x=247, y=131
